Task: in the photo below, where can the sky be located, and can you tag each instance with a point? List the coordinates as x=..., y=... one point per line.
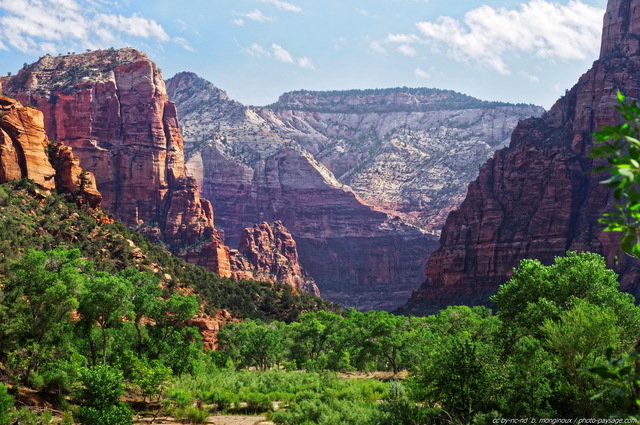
x=504, y=50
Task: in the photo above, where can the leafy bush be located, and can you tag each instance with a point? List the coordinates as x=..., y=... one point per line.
x=119, y=414
x=100, y=397
x=193, y=414
x=6, y=404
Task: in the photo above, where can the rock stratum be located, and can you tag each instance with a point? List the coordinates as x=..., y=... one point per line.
x=111, y=108
x=25, y=152
x=362, y=179
x=536, y=198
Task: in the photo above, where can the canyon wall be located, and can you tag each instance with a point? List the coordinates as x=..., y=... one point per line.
x=25, y=152
x=362, y=179
x=537, y=198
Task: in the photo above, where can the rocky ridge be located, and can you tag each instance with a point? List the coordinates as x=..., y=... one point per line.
x=536, y=198
x=24, y=147
x=350, y=184
x=111, y=107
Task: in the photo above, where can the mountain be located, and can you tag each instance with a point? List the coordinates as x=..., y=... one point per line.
x=536, y=198
x=362, y=179
x=111, y=107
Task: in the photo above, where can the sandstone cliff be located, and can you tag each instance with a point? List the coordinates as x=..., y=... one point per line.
x=111, y=107
x=268, y=252
x=535, y=199
x=362, y=179
x=24, y=154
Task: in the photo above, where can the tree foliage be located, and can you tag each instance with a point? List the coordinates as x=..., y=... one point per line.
x=619, y=146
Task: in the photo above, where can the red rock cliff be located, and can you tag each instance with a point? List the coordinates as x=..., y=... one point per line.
x=535, y=199
x=23, y=154
x=269, y=252
x=111, y=107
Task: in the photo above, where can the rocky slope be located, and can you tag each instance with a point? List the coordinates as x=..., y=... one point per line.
x=111, y=106
x=268, y=251
x=535, y=199
x=25, y=152
x=351, y=182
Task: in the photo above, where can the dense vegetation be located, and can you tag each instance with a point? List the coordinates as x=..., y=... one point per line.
x=68, y=329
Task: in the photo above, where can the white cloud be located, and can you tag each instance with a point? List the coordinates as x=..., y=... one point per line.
x=256, y=50
x=305, y=62
x=421, y=73
x=530, y=77
x=134, y=25
x=543, y=28
x=281, y=54
x=402, y=38
x=257, y=16
x=182, y=42
x=283, y=5
x=44, y=26
x=377, y=47
x=407, y=50
x=239, y=22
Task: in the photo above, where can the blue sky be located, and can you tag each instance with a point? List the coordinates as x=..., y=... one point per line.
x=517, y=51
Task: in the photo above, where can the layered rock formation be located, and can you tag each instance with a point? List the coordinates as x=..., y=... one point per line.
x=362, y=179
x=269, y=252
x=23, y=154
x=111, y=107
x=536, y=198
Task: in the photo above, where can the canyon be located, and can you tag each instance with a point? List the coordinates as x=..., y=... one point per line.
x=352, y=185
x=362, y=179
x=537, y=198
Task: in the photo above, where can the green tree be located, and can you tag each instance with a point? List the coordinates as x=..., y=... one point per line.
x=527, y=382
x=105, y=303
x=252, y=343
x=581, y=336
x=311, y=338
x=537, y=293
x=38, y=298
x=146, y=301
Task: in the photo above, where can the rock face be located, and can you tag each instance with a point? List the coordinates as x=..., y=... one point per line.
x=23, y=154
x=360, y=178
x=535, y=199
x=23, y=144
x=268, y=252
x=111, y=107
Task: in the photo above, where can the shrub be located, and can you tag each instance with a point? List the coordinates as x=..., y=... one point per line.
x=258, y=403
x=100, y=397
x=119, y=414
x=6, y=404
x=193, y=414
